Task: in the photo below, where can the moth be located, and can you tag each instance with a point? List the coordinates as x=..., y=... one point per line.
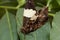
x=32, y=18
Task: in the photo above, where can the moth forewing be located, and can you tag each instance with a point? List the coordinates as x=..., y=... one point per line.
x=34, y=17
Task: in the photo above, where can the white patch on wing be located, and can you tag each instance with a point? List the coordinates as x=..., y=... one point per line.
x=34, y=17
x=29, y=13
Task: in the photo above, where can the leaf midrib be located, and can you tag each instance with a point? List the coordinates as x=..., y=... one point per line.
x=11, y=34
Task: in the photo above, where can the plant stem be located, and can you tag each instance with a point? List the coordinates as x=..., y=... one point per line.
x=50, y=14
x=48, y=3
x=8, y=7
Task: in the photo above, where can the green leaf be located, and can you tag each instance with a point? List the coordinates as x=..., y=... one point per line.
x=41, y=2
x=8, y=27
x=20, y=3
x=2, y=11
x=8, y=3
x=40, y=34
x=19, y=18
x=58, y=1
x=54, y=6
x=55, y=31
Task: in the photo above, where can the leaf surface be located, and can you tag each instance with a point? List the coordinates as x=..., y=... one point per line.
x=8, y=27
x=55, y=31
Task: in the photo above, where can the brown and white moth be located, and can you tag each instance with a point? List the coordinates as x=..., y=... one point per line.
x=33, y=19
